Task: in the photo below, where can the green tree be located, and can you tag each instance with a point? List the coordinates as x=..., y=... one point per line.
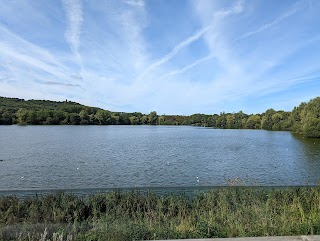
x=114, y=120
x=144, y=120
x=222, y=121
x=32, y=117
x=22, y=115
x=103, y=117
x=230, y=123
x=295, y=118
x=153, y=118
x=66, y=119
x=6, y=118
x=310, y=118
x=84, y=117
x=266, y=121
x=124, y=119
x=253, y=122
x=276, y=121
x=240, y=120
x=74, y=119
x=134, y=120
x=58, y=117
x=49, y=121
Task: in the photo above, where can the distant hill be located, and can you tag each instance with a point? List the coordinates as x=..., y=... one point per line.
x=304, y=119
x=15, y=104
x=47, y=112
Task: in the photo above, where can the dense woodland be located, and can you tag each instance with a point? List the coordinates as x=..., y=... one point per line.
x=304, y=119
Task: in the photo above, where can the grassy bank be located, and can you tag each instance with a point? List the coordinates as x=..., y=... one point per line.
x=226, y=212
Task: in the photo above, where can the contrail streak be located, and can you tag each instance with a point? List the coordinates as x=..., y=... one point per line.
x=73, y=9
x=111, y=55
x=184, y=69
x=236, y=9
x=175, y=50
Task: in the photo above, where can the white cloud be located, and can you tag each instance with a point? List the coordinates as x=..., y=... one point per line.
x=119, y=72
x=60, y=83
x=235, y=9
x=269, y=25
x=133, y=27
x=119, y=33
x=73, y=9
x=248, y=73
x=185, y=68
x=135, y=3
x=175, y=50
x=13, y=44
x=27, y=66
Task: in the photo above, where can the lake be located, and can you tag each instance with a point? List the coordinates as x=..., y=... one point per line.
x=44, y=157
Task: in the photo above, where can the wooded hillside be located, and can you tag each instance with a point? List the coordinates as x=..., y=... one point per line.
x=304, y=119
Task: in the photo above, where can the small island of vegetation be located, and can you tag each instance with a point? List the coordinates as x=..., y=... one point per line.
x=304, y=119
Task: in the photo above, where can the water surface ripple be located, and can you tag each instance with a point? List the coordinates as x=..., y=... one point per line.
x=44, y=157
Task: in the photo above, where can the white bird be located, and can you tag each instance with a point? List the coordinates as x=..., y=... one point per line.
x=22, y=177
x=77, y=168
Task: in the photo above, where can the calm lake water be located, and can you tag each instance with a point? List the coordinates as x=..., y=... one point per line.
x=142, y=156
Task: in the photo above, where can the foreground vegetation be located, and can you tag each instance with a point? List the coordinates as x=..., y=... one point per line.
x=225, y=212
x=304, y=119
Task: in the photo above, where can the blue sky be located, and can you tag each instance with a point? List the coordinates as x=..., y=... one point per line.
x=171, y=56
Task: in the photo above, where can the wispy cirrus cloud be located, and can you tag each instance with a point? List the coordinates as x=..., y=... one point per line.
x=25, y=64
x=270, y=24
x=273, y=86
x=73, y=9
x=237, y=8
x=139, y=3
x=218, y=15
x=177, y=57
x=15, y=49
x=60, y=83
x=299, y=80
x=175, y=50
x=242, y=74
x=186, y=68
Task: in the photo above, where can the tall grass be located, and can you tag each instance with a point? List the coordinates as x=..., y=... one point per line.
x=225, y=212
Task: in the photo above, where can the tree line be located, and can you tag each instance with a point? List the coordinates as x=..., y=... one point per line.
x=303, y=119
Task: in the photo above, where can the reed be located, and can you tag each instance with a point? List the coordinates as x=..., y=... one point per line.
x=224, y=212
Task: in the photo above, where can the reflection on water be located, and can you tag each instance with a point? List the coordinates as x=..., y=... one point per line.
x=310, y=152
x=42, y=157
x=310, y=146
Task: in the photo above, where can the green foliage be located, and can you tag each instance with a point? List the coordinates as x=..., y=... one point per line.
x=295, y=118
x=153, y=118
x=267, y=122
x=223, y=212
x=222, y=121
x=253, y=122
x=84, y=117
x=310, y=118
x=22, y=115
x=303, y=119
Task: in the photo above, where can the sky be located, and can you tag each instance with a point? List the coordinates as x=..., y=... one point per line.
x=170, y=56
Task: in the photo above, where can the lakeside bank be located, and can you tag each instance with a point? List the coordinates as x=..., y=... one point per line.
x=117, y=215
